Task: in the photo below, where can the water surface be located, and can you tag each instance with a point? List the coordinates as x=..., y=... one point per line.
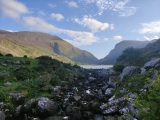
x=96, y=66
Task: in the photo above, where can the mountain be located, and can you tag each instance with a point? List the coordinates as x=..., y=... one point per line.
x=119, y=47
x=152, y=50
x=35, y=44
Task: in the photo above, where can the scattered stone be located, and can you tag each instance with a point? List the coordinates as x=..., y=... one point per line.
x=77, y=97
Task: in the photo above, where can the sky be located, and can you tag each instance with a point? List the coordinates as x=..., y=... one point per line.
x=92, y=25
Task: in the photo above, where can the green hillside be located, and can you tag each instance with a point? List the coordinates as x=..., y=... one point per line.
x=35, y=44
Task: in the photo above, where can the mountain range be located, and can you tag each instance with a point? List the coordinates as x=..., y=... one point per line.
x=119, y=47
x=34, y=44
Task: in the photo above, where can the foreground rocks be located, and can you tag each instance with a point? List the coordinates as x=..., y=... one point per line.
x=89, y=97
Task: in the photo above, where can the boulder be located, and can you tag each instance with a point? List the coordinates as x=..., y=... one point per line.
x=143, y=70
x=151, y=64
x=132, y=96
x=133, y=109
x=17, y=98
x=45, y=106
x=95, y=106
x=18, y=110
x=91, y=79
x=8, y=84
x=74, y=112
x=108, y=92
x=76, y=97
x=98, y=117
x=28, y=106
x=128, y=71
x=54, y=118
x=87, y=115
x=111, y=83
x=2, y=115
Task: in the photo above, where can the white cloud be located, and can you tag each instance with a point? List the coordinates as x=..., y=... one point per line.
x=89, y=1
x=13, y=8
x=51, y=5
x=111, y=26
x=42, y=13
x=39, y=24
x=118, y=6
x=152, y=38
x=93, y=24
x=58, y=17
x=79, y=37
x=105, y=39
x=72, y=4
x=11, y=31
x=117, y=37
x=152, y=27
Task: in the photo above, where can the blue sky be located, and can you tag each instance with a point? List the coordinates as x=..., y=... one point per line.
x=91, y=25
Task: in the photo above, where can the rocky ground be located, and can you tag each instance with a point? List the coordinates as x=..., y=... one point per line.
x=88, y=97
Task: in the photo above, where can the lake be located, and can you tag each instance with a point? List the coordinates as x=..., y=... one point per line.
x=96, y=66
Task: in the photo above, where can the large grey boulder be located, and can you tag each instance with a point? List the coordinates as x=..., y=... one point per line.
x=128, y=71
x=152, y=63
x=45, y=106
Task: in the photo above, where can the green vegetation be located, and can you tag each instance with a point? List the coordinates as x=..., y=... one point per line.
x=32, y=77
x=133, y=84
x=149, y=102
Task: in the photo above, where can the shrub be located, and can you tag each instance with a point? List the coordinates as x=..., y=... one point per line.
x=55, y=80
x=24, y=73
x=9, y=55
x=1, y=55
x=118, y=67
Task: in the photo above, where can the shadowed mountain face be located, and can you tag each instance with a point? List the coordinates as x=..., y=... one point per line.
x=117, y=51
x=35, y=44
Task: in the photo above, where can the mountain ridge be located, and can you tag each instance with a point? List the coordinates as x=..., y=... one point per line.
x=119, y=47
x=42, y=44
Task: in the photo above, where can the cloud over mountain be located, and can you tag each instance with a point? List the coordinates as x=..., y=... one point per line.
x=13, y=8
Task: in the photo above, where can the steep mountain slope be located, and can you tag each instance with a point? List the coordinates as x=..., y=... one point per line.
x=35, y=44
x=117, y=51
x=152, y=50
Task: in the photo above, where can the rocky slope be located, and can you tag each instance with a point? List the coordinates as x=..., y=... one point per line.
x=117, y=51
x=35, y=44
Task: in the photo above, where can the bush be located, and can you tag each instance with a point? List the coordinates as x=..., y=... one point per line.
x=9, y=55
x=118, y=67
x=24, y=73
x=1, y=55
x=55, y=80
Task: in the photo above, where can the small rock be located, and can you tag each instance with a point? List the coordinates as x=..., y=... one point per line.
x=8, y=84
